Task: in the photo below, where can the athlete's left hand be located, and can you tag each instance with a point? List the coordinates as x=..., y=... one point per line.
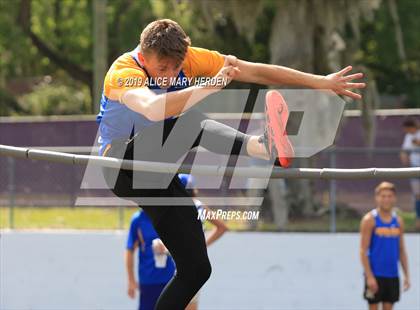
x=342, y=84
x=406, y=284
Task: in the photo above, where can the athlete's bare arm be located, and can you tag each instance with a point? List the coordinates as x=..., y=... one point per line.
x=219, y=229
x=403, y=256
x=159, y=107
x=132, y=284
x=366, y=228
x=267, y=74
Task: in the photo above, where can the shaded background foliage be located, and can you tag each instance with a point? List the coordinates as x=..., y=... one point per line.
x=53, y=38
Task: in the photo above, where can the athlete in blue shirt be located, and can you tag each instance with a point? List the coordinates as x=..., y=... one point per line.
x=153, y=278
x=382, y=247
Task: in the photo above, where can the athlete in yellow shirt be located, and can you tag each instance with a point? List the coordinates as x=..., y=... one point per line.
x=148, y=98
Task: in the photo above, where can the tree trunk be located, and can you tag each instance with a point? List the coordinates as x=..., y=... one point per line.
x=293, y=24
x=399, y=39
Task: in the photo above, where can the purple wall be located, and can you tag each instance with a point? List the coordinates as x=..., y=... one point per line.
x=51, y=133
x=37, y=182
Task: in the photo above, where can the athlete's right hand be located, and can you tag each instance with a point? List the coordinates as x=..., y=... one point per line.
x=372, y=284
x=226, y=74
x=133, y=286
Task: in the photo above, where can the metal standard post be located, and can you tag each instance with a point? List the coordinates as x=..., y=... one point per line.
x=333, y=194
x=121, y=217
x=12, y=190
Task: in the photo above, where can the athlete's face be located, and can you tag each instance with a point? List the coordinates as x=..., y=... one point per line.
x=161, y=69
x=385, y=200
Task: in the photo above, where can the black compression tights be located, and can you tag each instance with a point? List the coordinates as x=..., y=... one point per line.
x=177, y=226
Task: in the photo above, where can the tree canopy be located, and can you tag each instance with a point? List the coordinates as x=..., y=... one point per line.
x=46, y=45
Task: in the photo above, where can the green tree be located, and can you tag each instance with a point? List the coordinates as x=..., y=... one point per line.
x=396, y=74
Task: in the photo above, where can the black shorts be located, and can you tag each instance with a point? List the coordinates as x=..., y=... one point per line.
x=388, y=291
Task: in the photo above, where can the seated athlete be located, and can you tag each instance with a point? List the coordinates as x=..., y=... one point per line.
x=140, y=108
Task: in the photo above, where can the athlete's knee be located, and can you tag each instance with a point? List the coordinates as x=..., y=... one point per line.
x=201, y=274
x=204, y=272
x=223, y=139
x=196, y=272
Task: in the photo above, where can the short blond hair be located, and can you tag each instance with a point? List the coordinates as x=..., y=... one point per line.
x=385, y=186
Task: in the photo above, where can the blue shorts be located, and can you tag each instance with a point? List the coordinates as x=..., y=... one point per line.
x=149, y=295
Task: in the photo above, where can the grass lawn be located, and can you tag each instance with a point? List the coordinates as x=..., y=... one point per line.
x=119, y=218
x=350, y=224
x=67, y=218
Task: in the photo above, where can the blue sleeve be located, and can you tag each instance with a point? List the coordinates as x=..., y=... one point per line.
x=133, y=236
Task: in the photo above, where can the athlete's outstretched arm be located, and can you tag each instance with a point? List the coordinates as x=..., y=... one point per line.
x=267, y=74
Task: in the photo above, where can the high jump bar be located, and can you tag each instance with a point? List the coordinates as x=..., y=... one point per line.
x=210, y=170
